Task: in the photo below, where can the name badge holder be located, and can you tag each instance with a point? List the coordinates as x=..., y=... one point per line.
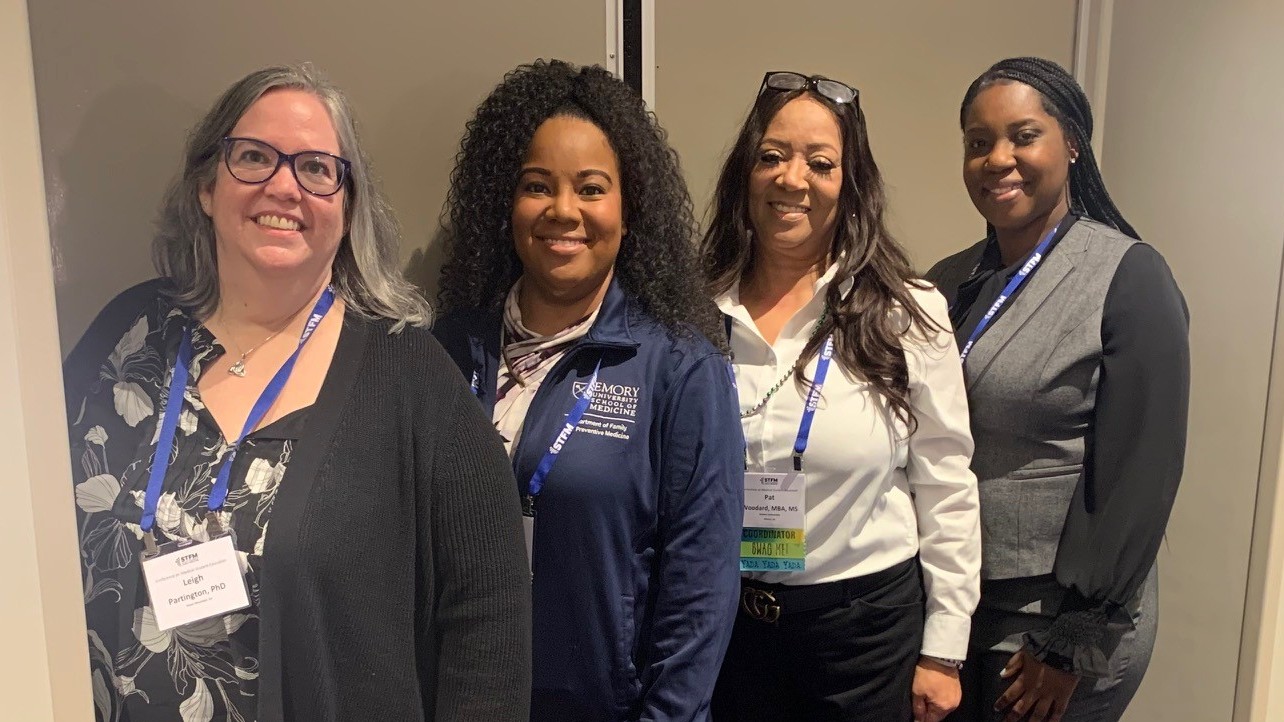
x=546, y=465
x=773, y=538
x=1036, y=257
x=187, y=580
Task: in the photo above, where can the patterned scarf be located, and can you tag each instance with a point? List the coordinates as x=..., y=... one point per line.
x=527, y=357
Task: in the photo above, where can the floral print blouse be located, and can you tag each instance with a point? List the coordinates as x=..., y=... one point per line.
x=203, y=671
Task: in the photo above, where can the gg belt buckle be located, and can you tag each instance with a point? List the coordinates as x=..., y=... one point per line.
x=760, y=604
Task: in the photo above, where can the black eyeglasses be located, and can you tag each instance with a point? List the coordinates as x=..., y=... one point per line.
x=252, y=161
x=787, y=80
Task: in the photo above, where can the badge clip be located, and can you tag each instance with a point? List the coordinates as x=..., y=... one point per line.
x=213, y=525
x=149, y=545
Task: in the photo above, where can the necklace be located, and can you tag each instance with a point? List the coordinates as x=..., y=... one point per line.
x=788, y=374
x=238, y=368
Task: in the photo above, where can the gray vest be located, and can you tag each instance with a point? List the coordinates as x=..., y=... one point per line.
x=1032, y=389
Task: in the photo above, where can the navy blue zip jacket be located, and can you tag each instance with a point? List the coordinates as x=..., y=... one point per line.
x=637, y=531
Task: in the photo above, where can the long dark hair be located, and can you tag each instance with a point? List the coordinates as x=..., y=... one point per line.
x=865, y=322
x=1064, y=100
x=657, y=255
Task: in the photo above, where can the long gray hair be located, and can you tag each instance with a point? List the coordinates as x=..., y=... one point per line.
x=366, y=271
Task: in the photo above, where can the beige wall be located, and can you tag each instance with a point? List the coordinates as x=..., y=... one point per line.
x=1187, y=85
x=119, y=85
x=117, y=95
x=1192, y=155
x=912, y=62
x=45, y=662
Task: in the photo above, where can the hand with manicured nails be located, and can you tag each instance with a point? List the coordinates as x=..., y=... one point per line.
x=1040, y=691
x=936, y=690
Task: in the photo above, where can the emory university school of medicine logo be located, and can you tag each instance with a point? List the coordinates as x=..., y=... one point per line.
x=613, y=410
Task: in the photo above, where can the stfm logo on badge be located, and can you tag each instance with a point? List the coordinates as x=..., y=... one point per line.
x=773, y=538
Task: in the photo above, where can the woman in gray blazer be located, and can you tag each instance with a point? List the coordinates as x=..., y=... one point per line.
x=1074, y=340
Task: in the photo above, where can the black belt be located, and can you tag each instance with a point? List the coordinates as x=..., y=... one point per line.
x=766, y=602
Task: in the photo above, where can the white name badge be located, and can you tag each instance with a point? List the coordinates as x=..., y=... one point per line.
x=775, y=501
x=190, y=581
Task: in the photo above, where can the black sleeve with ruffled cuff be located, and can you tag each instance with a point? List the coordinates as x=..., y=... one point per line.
x=1132, y=467
x=1082, y=637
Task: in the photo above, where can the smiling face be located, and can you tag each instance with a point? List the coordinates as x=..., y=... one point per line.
x=277, y=228
x=1016, y=159
x=568, y=212
x=794, y=185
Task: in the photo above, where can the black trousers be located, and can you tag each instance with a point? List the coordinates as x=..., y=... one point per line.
x=852, y=659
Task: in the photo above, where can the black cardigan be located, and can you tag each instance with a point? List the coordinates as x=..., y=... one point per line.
x=395, y=584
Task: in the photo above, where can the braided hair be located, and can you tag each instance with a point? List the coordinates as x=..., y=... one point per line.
x=1064, y=100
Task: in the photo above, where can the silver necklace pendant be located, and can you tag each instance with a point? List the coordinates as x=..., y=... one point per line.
x=238, y=368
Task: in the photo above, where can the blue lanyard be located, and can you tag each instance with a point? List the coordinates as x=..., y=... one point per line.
x=813, y=401
x=174, y=406
x=1036, y=257
x=554, y=449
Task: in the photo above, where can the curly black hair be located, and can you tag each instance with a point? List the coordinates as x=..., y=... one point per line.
x=656, y=265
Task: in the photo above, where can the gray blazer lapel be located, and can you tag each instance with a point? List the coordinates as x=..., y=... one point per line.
x=1052, y=271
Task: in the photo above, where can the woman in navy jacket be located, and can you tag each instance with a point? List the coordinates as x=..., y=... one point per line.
x=572, y=308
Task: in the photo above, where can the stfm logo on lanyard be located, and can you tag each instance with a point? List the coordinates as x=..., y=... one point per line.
x=773, y=537
x=189, y=581
x=536, y=485
x=1036, y=257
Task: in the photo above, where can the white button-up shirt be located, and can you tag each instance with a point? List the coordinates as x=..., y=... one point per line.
x=875, y=494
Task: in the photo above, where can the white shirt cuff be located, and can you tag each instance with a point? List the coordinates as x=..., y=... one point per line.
x=946, y=636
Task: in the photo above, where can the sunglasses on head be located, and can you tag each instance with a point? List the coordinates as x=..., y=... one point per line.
x=785, y=80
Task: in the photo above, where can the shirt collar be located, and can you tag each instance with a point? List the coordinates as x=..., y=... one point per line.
x=729, y=301
x=731, y=297
x=613, y=327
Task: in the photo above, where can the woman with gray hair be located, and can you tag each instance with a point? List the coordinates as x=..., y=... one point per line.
x=279, y=375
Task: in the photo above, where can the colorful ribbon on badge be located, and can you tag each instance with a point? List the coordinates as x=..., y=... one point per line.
x=781, y=498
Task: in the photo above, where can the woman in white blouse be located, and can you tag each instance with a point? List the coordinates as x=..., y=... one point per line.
x=861, y=548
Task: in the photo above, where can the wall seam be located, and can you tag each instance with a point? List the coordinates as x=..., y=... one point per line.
x=1260, y=612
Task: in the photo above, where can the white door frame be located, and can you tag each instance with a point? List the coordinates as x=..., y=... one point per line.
x=45, y=675
x=615, y=45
